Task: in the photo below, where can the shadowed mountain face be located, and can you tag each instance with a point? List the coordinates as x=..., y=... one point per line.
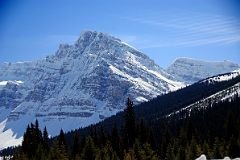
x=81, y=84
x=191, y=70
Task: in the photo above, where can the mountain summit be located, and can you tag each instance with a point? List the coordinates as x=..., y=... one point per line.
x=79, y=85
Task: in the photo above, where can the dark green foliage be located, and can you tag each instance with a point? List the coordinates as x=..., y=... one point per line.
x=129, y=127
x=115, y=139
x=142, y=132
x=89, y=151
x=102, y=136
x=234, y=147
x=107, y=153
x=45, y=139
x=76, y=145
x=57, y=151
x=32, y=141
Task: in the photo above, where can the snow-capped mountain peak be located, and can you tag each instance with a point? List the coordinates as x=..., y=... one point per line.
x=79, y=85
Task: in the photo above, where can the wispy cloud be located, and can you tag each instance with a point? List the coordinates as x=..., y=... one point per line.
x=192, y=29
x=127, y=38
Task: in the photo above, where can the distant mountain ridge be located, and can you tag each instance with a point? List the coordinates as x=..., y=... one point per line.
x=190, y=70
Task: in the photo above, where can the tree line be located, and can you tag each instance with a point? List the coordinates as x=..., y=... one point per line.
x=213, y=131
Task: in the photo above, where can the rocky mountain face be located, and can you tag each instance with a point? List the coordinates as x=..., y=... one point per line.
x=191, y=70
x=80, y=85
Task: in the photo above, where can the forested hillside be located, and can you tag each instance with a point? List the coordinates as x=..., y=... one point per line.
x=213, y=131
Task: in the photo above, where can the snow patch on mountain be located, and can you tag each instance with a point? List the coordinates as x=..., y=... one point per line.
x=8, y=137
x=4, y=83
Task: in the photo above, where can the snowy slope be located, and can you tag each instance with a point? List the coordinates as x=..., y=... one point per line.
x=223, y=77
x=81, y=84
x=190, y=70
x=225, y=94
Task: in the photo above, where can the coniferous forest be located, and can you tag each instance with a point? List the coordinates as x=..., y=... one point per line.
x=213, y=131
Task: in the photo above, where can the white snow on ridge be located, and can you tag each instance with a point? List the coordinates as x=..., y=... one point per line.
x=137, y=81
x=224, y=77
x=173, y=85
x=4, y=83
x=141, y=99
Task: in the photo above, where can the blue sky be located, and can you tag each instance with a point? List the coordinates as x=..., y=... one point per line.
x=164, y=30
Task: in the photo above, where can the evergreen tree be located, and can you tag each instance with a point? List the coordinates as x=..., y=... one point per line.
x=148, y=153
x=32, y=140
x=144, y=152
x=76, y=145
x=94, y=135
x=38, y=133
x=142, y=132
x=89, y=151
x=206, y=149
x=170, y=152
x=115, y=139
x=181, y=155
x=129, y=155
x=107, y=153
x=58, y=152
x=165, y=140
x=102, y=137
x=151, y=140
x=216, y=149
x=62, y=145
x=45, y=139
x=26, y=140
x=233, y=148
x=129, y=127
x=192, y=150
x=40, y=153
x=61, y=140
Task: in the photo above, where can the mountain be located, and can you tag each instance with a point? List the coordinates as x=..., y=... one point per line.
x=80, y=85
x=190, y=70
x=171, y=125
x=185, y=121
x=180, y=103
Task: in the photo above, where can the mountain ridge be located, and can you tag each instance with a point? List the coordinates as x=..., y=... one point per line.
x=191, y=70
